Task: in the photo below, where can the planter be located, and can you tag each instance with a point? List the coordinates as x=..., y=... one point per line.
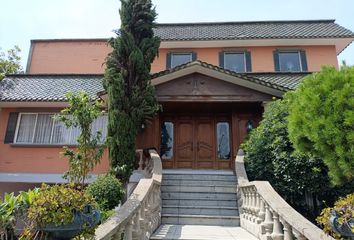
x=87, y=219
x=345, y=229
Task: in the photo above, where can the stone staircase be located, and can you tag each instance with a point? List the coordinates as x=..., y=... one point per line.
x=199, y=198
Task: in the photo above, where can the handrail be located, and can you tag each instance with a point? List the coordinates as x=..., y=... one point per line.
x=140, y=215
x=266, y=215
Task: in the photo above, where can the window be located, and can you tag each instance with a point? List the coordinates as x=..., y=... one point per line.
x=290, y=61
x=223, y=140
x=166, y=140
x=176, y=59
x=236, y=61
x=41, y=128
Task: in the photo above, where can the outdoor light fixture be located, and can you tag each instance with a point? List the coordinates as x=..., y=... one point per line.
x=249, y=125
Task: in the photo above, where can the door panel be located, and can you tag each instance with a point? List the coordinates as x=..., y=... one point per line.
x=185, y=144
x=205, y=154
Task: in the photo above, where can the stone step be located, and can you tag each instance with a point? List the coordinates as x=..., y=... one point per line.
x=198, y=232
x=198, y=196
x=201, y=220
x=200, y=203
x=199, y=177
x=198, y=182
x=199, y=189
x=198, y=210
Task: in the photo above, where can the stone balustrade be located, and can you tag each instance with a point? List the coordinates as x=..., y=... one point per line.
x=140, y=215
x=265, y=214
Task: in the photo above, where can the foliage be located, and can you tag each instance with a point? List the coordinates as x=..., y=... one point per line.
x=344, y=208
x=82, y=112
x=10, y=64
x=131, y=97
x=270, y=156
x=107, y=191
x=321, y=120
x=56, y=205
x=12, y=207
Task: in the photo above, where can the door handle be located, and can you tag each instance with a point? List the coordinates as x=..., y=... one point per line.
x=198, y=146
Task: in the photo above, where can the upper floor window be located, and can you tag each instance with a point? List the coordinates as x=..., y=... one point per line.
x=179, y=58
x=236, y=61
x=41, y=128
x=290, y=61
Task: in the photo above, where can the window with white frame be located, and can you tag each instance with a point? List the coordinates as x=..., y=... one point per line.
x=180, y=58
x=235, y=61
x=41, y=128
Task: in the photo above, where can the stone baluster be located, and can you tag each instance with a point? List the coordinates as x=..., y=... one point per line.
x=141, y=159
x=128, y=233
x=248, y=205
x=261, y=213
x=253, y=203
x=277, y=233
x=298, y=235
x=137, y=226
x=142, y=218
x=256, y=206
x=288, y=235
x=267, y=225
x=118, y=234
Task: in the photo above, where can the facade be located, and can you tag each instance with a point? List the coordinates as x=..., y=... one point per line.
x=213, y=81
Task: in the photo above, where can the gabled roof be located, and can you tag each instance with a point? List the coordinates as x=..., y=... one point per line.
x=252, y=30
x=282, y=81
x=53, y=87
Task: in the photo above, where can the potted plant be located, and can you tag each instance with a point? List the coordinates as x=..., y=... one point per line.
x=339, y=220
x=65, y=211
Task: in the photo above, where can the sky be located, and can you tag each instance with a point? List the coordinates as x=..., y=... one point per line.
x=23, y=20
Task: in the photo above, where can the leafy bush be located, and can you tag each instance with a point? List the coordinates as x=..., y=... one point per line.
x=321, y=120
x=271, y=156
x=107, y=190
x=13, y=207
x=344, y=209
x=56, y=204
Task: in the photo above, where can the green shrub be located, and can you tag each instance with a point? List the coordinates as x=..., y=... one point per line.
x=271, y=156
x=321, y=120
x=107, y=190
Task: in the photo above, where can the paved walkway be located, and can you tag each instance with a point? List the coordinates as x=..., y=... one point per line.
x=201, y=232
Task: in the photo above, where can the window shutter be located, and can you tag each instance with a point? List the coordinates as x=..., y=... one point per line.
x=276, y=61
x=221, y=59
x=11, y=127
x=303, y=61
x=168, y=60
x=194, y=56
x=248, y=62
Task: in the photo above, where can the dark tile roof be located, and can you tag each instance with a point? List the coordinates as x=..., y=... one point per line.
x=252, y=30
x=46, y=88
x=280, y=81
x=52, y=88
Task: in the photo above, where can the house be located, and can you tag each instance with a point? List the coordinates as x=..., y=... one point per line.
x=213, y=81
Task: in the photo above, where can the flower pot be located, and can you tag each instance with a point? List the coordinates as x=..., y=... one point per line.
x=345, y=229
x=82, y=220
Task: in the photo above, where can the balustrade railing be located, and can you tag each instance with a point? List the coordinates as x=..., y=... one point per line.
x=265, y=214
x=140, y=215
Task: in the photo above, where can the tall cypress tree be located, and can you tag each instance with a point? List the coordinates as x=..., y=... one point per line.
x=131, y=97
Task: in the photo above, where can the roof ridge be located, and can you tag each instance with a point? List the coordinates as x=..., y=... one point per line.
x=248, y=22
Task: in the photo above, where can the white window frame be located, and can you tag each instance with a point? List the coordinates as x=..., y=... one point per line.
x=244, y=59
x=181, y=53
x=291, y=51
x=34, y=131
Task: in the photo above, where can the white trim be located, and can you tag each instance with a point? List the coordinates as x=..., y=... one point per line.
x=339, y=43
x=37, y=178
x=16, y=104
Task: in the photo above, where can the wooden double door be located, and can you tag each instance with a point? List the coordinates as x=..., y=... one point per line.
x=195, y=143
